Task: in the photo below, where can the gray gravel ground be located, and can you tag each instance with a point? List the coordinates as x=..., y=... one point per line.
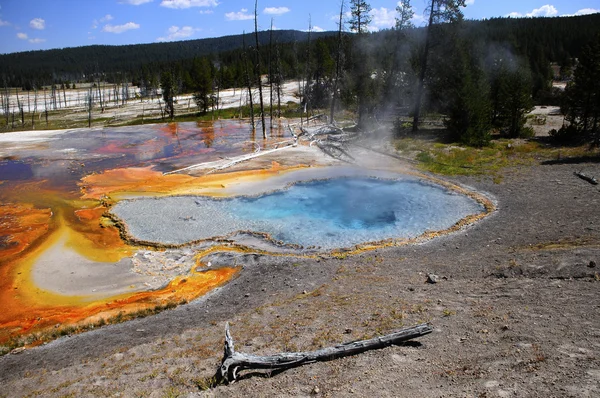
x=515, y=311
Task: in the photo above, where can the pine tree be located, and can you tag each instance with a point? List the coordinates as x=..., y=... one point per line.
x=582, y=96
x=359, y=23
x=468, y=105
x=440, y=11
x=360, y=16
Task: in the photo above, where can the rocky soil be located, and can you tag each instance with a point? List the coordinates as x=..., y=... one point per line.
x=516, y=312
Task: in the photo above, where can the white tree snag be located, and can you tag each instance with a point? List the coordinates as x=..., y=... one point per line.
x=235, y=362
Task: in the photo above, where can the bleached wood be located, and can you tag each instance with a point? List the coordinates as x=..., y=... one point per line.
x=234, y=362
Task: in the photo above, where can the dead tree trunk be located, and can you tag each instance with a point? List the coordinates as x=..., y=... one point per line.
x=248, y=82
x=90, y=102
x=45, y=107
x=20, y=106
x=34, y=110
x=259, y=80
x=338, y=64
x=271, y=75
x=307, y=85
x=235, y=362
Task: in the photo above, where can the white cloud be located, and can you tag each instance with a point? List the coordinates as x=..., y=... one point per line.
x=239, y=16
x=544, y=11
x=317, y=29
x=205, y=12
x=37, y=23
x=120, y=28
x=4, y=23
x=177, y=33
x=105, y=18
x=22, y=36
x=587, y=11
x=179, y=4
x=134, y=2
x=276, y=10
x=37, y=40
x=382, y=18
x=470, y=2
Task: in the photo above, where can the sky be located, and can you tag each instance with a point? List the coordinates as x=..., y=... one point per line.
x=27, y=25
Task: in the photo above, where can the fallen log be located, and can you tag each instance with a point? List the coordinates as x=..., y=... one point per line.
x=235, y=362
x=587, y=178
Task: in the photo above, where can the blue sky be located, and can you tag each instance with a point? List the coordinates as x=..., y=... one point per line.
x=43, y=24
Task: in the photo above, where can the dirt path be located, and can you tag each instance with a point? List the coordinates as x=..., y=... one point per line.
x=516, y=313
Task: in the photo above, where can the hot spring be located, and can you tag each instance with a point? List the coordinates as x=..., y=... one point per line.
x=324, y=214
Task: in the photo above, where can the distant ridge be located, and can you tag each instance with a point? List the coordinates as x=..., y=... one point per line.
x=110, y=59
x=541, y=40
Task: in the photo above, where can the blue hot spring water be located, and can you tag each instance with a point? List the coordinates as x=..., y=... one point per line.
x=328, y=214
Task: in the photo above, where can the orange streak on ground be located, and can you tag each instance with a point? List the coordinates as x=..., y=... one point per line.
x=27, y=313
x=20, y=226
x=96, y=237
x=27, y=309
x=147, y=181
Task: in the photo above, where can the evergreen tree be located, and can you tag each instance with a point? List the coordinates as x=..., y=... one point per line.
x=359, y=23
x=202, y=82
x=169, y=90
x=467, y=98
x=440, y=11
x=360, y=16
x=582, y=95
x=515, y=101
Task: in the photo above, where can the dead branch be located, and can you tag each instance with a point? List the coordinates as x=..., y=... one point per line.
x=235, y=362
x=587, y=178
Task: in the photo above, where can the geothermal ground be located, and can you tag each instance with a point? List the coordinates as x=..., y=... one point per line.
x=515, y=309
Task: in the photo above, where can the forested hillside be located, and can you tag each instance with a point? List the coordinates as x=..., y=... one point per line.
x=542, y=40
x=114, y=62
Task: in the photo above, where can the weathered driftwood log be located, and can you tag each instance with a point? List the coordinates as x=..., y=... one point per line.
x=234, y=362
x=587, y=178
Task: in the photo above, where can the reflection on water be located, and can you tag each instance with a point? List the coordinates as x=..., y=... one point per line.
x=64, y=159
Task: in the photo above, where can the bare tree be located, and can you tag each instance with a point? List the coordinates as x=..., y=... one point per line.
x=257, y=70
x=20, y=106
x=45, y=107
x=338, y=63
x=34, y=109
x=89, y=104
x=6, y=102
x=308, y=72
x=248, y=81
x=271, y=74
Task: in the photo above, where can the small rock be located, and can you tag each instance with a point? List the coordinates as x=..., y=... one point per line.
x=432, y=278
x=304, y=292
x=348, y=331
x=247, y=295
x=315, y=390
x=592, y=264
x=17, y=350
